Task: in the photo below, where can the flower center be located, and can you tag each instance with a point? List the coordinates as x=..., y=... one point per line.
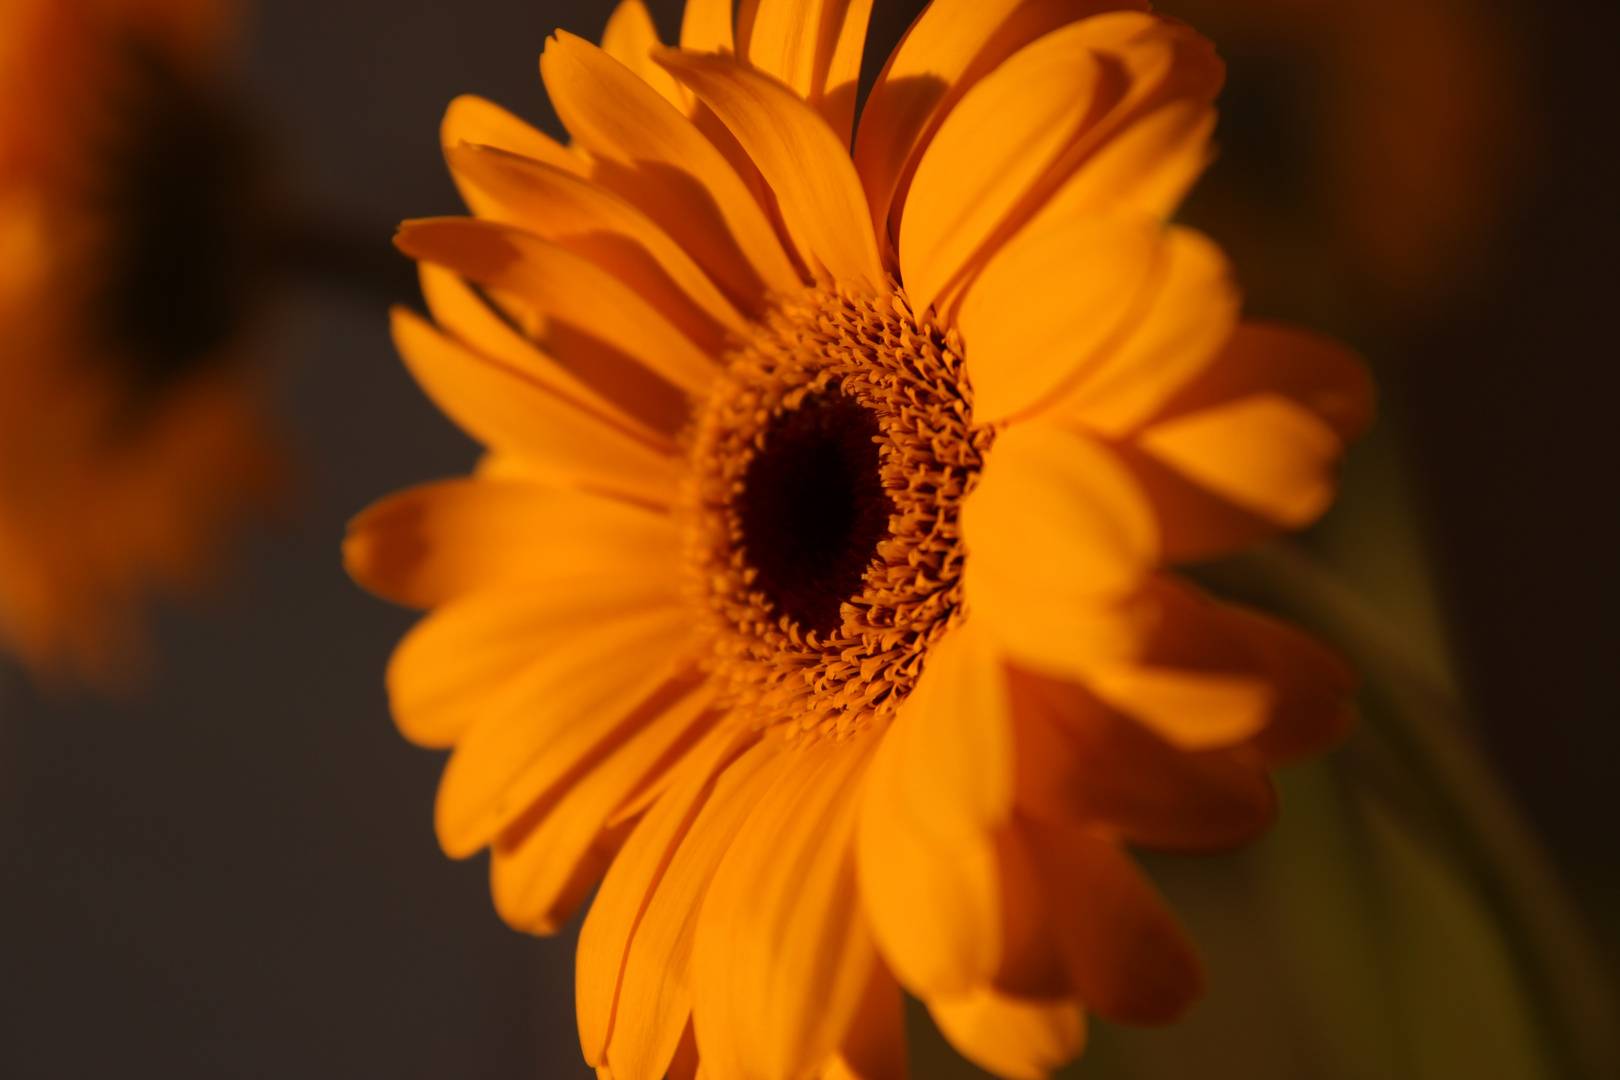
x=827, y=468
x=813, y=509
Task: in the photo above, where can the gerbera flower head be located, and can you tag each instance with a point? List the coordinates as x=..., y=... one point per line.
x=129, y=435
x=814, y=588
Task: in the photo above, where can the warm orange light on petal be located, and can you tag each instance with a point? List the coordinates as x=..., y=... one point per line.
x=630, y=37
x=1013, y=1037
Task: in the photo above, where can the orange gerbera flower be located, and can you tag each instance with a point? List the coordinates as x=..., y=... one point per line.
x=127, y=439
x=814, y=585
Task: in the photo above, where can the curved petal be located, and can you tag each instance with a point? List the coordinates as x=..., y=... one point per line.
x=935, y=909
x=1193, y=710
x=503, y=409
x=1125, y=957
x=563, y=300
x=1312, y=685
x=591, y=222
x=656, y=988
x=1195, y=524
x=815, y=184
x=461, y=311
x=461, y=662
x=1051, y=304
x=575, y=702
x=1059, y=542
x=1012, y=1037
x=782, y=956
x=628, y=888
x=533, y=874
x=432, y=543
x=706, y=27
x=1191, y=313
x=874, y=1047
x=814, y=48
x=630, y=37
x=472, y=119
x=950, y=47
x=1082, y=762
x=653, y=156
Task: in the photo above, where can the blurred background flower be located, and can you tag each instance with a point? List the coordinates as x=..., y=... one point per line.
x=236, y=874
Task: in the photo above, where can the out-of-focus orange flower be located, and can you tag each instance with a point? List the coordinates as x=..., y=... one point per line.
x=130, y=433
x=815, y=584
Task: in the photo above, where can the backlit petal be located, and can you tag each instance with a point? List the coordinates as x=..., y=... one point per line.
x=472, y=119
x=800, y=158
x=706, y=27
x=782, y=956
x=1012, y=1037
x=652, y=155
x=1051, y=305
x=575, y=701
x=814, y=48
x=630, y=37
x=874, y=1046
x=1058, y=539
x=432, y=543
x=502, y=408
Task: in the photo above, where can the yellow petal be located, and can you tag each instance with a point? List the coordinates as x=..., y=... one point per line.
x=502, y=408
x=814, y=48
x=569, y=305
x=653, y=156
x=1264, y=453
x=596, y=224
x=1058, y=541
x=631, y=880
x=464, y=314
x=630, y=37
x=573, y=701
x=1191, y=710
x=782, y=956
x=706, y=27
x=458, y=664
x=432, y=543
x=815, y=184
x=1012, y=1037
x=1192, y=312
x=935, y=909
x=952, y=45
x=1051, y=304
x=533, y=876
x=655, y=994
x=473, y=119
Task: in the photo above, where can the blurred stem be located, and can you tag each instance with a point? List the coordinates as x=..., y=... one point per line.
x=1427, y=728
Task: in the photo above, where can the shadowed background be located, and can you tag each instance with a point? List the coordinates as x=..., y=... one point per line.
x=234, y=874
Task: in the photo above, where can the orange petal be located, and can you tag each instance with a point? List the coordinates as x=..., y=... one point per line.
x=533, y=873
x=874, y=1047
x=1051, y=305
x=1263, y=453
x=501, y=408
x=814, y=48
x=1194, y=523
x=568, y=304
x=1193, y=710
x=815, y=184
x=706, y=27
x=1191, y=313
x=783, y=956
x=1082, y=762
x=1312, y=687
x=601, y=227
x=432, y=543
x=630, y=37
x=1012, y=1037
x=574, y=703
x=630, y=882
x=464, y=314
x=656, y=989
x=653, y=156
x=950, y=47
x=1058, y=541
x=1126, y=958
x=472, y=119
x=934, y=908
